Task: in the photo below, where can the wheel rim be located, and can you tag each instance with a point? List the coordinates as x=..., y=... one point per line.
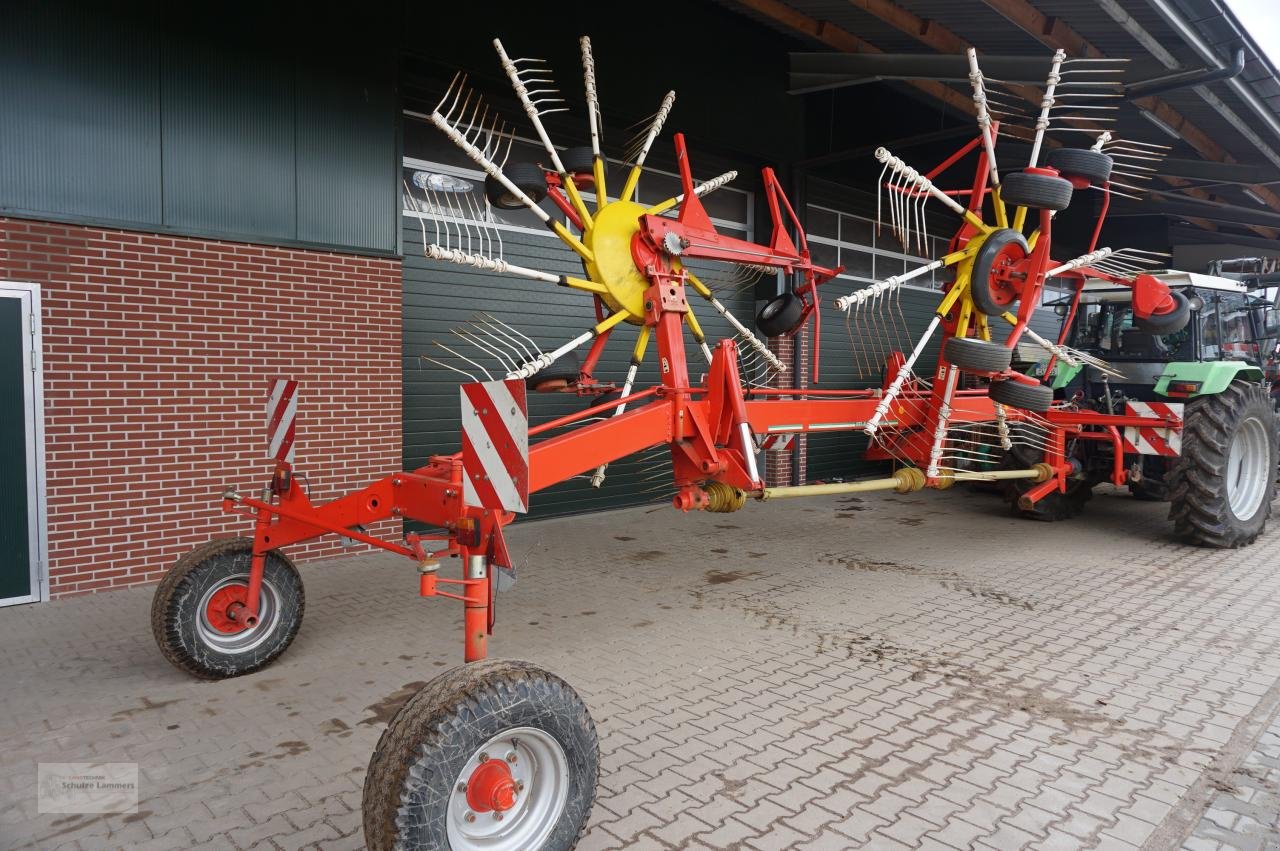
x=510, y=794
x=1248, y=468
x=1003, y=290
x=217, y=630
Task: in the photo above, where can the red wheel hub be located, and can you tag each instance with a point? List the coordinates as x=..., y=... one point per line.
x=1006, y=278
x=491, y=788
x=227, y=601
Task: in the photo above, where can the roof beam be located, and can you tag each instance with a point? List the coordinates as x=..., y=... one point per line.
x=1058, y=34
x=833, y=36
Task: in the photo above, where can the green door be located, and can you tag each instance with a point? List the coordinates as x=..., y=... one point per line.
x=16, y=510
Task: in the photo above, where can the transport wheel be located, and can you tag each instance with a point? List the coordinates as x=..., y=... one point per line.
x=1169, y=322
x=992, y=292
x=528, y=177
x=1057, y=505
x=1220, y=490
x=580, y=160
x=1041, y=191
x=1086, y=164
x=780, y=315
x=974, y=355
x=493, y=755
x=1028, y=397
x=189, y=613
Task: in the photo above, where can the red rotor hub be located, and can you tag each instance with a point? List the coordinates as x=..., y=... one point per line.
x=226, y=605
x=1007, y=275
x=491, y=787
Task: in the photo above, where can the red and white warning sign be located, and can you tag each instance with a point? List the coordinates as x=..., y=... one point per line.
x=495, y=445
x=282, y=411
x=1154, y=441
x=775, y=442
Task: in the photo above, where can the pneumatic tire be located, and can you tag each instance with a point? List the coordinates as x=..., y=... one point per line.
x=1169, y=322
x=1028, y=397
x=1040, y=191
x=978, y=356
x=1054, y=506
x=527, y=177
x=557, y=375
x=780, y=315
x=580, y=160
x=1220, y=490
x=1083, y=163
x=415, y=792
x=188, y=610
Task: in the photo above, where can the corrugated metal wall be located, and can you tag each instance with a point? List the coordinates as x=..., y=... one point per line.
x=264, y=122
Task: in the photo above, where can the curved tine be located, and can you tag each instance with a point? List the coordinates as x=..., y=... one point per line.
x=474, y=340
x=536, y=347
x=443, y=220
x=447, y=366
x=488, y=374
x=528, y=356
x=486, y=243
x=455, y=208
x=413, y=205
x=512, y=352
x=879, y=197
x=456, y=86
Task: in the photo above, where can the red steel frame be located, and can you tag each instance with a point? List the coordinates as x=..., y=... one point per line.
x=702, y=425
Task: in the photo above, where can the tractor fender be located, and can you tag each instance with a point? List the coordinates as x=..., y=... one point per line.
x=1190, y=380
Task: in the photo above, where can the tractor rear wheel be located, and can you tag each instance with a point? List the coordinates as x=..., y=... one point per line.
x=189, y=613
x=1220, y=490
x=491, y=755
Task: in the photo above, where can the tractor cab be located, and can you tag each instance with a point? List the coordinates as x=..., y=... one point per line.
x=1232, y=326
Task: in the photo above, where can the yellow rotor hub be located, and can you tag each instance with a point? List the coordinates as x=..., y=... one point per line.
x=609, y=238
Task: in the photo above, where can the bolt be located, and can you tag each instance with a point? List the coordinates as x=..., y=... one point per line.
x=470, y=817
x=519, y=785
x=497, y=816
x=511, y=758
x=484, y=757
x=462, y=787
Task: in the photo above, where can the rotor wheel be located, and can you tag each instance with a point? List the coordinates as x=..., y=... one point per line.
x=580, y=161
x=780, y=315
x=192, y=612
x=1028, y=397
x=556, y=375
x=1169, y=322
x=1093, y=167
x=991, y=285
x=528, y=178
x=496, y=755
x=1039, y=191
x=982, y=357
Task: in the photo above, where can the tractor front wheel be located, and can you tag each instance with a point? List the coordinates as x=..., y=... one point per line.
x=193, y=611
x=492, y=755
x=1220, y=490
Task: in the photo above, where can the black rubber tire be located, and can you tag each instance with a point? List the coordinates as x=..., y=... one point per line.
x=564, y=370
x=1028, y=397
x=1084, y=163
x=1166, y=323
x=1053, y=507
x=1040, y=191
x=580, y=160
x=429, y=741
x=983, y=263
x=780, y=315
x=979, y=356
x=175, y=609
x=527, y=177
x=1199, y=505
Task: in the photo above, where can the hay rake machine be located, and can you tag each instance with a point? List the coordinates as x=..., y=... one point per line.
x=502, y=755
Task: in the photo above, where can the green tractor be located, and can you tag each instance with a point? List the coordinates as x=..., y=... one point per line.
x=1218, y=360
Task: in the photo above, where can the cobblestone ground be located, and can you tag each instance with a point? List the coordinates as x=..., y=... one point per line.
x=914, y=671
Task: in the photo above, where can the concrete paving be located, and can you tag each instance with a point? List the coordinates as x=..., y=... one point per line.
x=915, y=671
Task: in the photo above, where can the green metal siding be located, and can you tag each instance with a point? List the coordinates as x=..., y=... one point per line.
x=259, y=122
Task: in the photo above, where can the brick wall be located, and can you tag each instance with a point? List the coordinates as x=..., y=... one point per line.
x=158, y=352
